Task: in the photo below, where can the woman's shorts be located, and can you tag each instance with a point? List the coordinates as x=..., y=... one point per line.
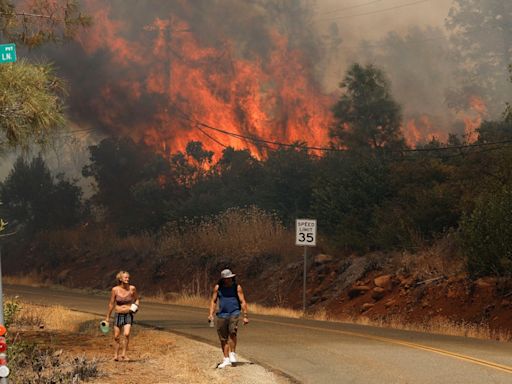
x=226, y=327
x=123, y=319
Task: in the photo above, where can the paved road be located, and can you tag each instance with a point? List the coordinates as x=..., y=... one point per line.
x=321, y=352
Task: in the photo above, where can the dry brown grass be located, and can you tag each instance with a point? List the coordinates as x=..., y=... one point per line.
x=200, y=301
x=440, y=259
x=32, y=280
x=436, y=325
x=238, y=234
x=51, y=317
x=191, y=300
x=275, y=311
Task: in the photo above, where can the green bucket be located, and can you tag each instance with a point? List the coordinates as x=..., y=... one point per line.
x=104, y=327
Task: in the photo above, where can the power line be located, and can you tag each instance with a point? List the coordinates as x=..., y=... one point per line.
x=211, y=137
x=375, y=12
x=238, y=136
x=264, y=141
x=352, y=6
x=502, y=143
x=498, y=144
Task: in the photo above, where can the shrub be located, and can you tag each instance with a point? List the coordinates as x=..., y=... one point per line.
x=486, y=236
x=11, y=309
x=31, y=364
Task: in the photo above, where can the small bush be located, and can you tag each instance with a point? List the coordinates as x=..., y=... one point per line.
x=31, y=364
x=11, y=310
x=486, y=236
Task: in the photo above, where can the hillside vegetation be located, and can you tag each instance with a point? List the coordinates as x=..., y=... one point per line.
x=438, y=211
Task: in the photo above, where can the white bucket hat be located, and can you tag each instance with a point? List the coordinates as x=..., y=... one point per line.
x=226, y=274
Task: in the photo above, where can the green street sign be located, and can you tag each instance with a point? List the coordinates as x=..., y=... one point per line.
x=7, y=53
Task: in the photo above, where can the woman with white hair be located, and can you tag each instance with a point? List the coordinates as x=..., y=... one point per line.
x=125, y=300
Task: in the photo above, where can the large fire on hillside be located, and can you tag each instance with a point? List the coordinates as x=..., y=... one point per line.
x=163, y=80
x=176, y=71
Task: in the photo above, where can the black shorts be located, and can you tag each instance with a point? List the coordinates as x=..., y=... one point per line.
x=123, y=319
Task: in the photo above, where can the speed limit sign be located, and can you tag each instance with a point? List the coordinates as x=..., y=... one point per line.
x=306, y=232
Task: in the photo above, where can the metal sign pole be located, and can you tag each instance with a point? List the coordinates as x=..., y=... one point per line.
x=3, y=380
x=304, y=282
x=305, y=235
x=1, y=291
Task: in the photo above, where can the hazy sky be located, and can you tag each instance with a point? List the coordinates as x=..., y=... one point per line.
x=371, y=19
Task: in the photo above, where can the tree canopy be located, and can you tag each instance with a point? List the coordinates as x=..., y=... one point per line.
x=366, y=115
x=31, y=103
x=31, y=95
x=32, y=196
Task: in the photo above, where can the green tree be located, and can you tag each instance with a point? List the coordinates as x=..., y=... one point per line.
x=486, y=235
x=424, y=203
x=31, y=95
x=287, y=183
x=34, y=197
x=136, y=186
x=347, y=190
x=233, y=181
x=31, y=103
x=366, y=115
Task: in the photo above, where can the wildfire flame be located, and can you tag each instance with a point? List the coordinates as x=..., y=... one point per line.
x=159, y=75
x=472, y=122
x=191, y=85
x=421, y=129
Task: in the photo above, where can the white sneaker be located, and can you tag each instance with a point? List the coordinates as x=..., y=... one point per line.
x=232, y=357
x=225, y=363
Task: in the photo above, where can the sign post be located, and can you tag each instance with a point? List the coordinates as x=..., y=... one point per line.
x=4, y=370
x=7, y=53
x=306, y=237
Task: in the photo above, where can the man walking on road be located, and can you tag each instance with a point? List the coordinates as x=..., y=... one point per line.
x=231, y=302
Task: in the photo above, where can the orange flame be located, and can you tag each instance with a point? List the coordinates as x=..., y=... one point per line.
x=473, y=121
x=275, y=98
x=421, y=129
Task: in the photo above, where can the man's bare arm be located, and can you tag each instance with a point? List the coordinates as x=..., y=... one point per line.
x=243, y=304
x=213, y=301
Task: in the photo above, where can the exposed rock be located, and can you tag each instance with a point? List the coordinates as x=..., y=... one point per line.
x=389, y=303
x=357, y=268
x=358, y=290
x=378, y=293
x=367, y=306
x=452, y=293
x=322, y=258
x=406, y=281
x=484, y=283
x=383, y=281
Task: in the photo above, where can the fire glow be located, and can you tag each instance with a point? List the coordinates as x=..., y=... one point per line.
x=189, y=83
x=421, y=129
x=170, y=73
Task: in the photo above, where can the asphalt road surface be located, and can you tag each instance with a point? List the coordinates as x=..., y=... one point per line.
x=322, y=352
